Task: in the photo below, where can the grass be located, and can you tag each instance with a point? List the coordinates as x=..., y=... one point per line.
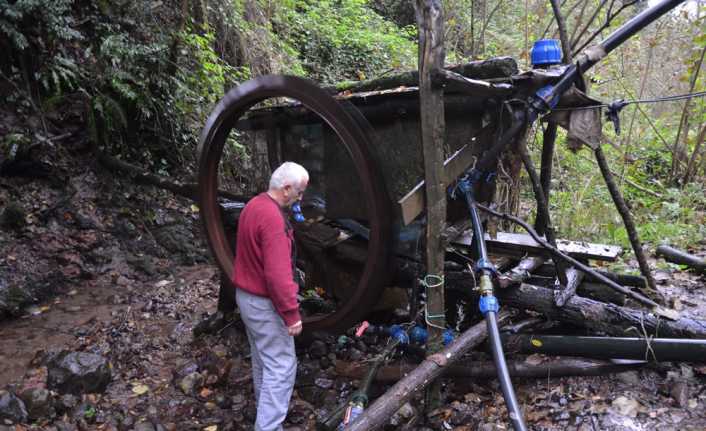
x=582, y=208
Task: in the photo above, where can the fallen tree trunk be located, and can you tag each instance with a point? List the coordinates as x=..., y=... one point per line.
x=431, y=368
x=673, y=255
x=608, y=318
x=550, y=367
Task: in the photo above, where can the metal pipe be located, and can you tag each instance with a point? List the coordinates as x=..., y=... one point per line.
x=594, y=54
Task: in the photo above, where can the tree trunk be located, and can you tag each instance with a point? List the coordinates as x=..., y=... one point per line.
x=594, y=315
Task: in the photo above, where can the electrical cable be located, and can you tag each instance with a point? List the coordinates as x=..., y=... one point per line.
x=638, y=101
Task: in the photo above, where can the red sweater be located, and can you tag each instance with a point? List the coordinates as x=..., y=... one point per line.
x=263, y=257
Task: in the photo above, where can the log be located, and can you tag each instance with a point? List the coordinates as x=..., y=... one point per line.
x=551, y=367
x=644, y=349
x=598, y=316
x=521, y=272
x=500, y=67
x=563, y=293
x=673, y=255
x=431, y=368
x=600, y=292
x=430, y=25
x=472, y=87
x=548, y=270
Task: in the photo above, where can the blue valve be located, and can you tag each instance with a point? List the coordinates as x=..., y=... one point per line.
x=297, y=212
x=488, y=303
x=397, y=333
x=418, y=335
x=448, y=337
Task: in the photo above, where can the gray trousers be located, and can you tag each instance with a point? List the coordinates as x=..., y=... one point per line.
x=274, y=361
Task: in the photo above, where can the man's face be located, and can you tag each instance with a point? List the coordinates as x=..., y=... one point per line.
x=295, y=192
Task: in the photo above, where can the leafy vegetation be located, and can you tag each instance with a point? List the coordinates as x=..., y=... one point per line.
x=143, y=76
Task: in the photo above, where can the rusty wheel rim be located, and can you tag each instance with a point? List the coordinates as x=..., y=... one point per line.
x=357, y=143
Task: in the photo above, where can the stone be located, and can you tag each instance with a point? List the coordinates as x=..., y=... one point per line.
x=39, y=403
x=355, y=355
x=630, y=378
x=12, y=408
x=680, y=392
x=403, y=415
x=78, y=373
x=323, y=383
x=66, y=403
x=190, y=383
x=318, y=349
x=144, y=426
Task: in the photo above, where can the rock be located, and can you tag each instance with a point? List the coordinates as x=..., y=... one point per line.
x=630, y=378
x=223, y=401
x=403, y=415
x=85, y=412
x=66, y=403
x=12, y=408
x=39, y=403
x=625, y=406
x=64, y=426
x=213, y=324
x=355, y=355
x=680, y=392
x=78, y=373
x=323, y=383
x=184, y=370
x=318, y=349
x=144, y=426
x=190, y=383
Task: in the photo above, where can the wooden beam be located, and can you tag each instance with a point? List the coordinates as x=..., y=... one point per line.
x=518, y=244
x=473, y=87
x=430, y=23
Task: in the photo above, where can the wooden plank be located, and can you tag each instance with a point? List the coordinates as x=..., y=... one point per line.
x=412, y=204
x=518, y=244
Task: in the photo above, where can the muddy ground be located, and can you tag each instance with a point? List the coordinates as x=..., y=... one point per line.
x=97, y=264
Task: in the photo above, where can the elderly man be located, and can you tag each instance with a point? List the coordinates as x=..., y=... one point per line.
x=266, y=292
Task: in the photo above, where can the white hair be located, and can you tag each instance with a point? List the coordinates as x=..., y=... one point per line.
x=289, y=173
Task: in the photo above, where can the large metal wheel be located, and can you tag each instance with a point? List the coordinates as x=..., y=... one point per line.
x=356, y=142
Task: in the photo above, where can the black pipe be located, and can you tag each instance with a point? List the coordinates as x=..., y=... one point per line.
x=513, y=409
x=655, y=349
x=484, y=266
x=594, y=54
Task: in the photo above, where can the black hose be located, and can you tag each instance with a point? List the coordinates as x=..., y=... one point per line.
x=513, y=409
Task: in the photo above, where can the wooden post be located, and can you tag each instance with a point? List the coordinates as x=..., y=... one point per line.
x=430, y=23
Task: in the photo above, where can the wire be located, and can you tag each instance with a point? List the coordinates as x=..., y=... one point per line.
x=630, y=102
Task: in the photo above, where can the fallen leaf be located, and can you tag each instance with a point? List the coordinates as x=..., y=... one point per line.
x=625, y=406
x=205, y=392
x=211, y=428
x=140, y=389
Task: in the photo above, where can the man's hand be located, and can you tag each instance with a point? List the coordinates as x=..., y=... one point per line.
x=295, y=329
